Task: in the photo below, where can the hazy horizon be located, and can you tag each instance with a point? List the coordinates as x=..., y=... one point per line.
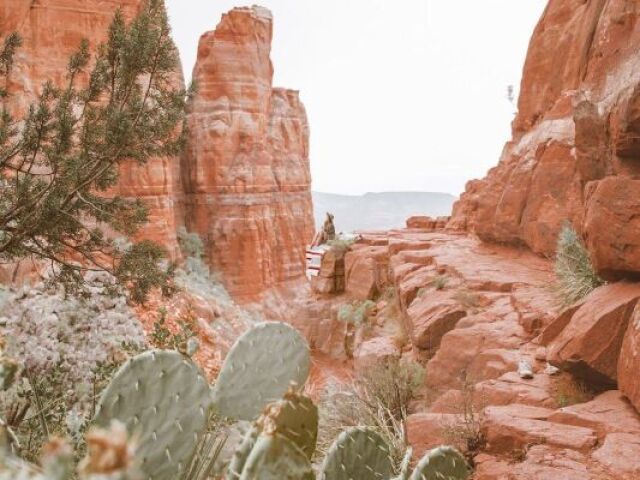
x=401, y=96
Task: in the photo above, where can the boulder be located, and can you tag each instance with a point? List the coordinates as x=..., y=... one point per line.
x=629, y=361
x=374, y=352
x=513, y=427
x=426, y=431
x=431, y=317
x=365, y=271
x=612, y=225
x=608, y=413
x=620, y=452
x=582, y=347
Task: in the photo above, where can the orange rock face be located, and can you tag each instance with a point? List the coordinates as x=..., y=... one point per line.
x=244, y=181
x=52, y=31
x=247, y=163
x=576, y=140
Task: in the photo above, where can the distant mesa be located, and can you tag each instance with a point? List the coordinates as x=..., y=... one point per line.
x=379, y=211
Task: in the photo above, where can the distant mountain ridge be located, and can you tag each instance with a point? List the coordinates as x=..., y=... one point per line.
x=379, y=211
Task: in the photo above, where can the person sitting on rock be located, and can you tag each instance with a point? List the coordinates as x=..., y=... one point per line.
x=326, y=234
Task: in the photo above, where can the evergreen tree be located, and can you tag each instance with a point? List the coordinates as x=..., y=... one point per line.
x=59, y=161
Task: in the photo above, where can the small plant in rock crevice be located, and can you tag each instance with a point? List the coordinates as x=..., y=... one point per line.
x=465, y=430
x=569, y=391
x=440, y=282
x=576, y=277
x=467, y=299
x=356, y=313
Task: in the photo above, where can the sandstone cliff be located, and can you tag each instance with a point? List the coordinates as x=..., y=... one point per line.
x=52, y=30
x=247, y=162
x=576, y=140
x=245, y=176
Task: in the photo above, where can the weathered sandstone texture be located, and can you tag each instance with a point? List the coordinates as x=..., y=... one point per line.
x=52, y=31
x=243, y=183
x=575, y=151
x=469, y=312
x=247, y=163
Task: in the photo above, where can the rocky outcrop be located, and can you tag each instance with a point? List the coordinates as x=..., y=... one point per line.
x=52, y=31
x=629, y=361
x=247, y=162
x=244, y=181
x=582, y=346
x=575, y=147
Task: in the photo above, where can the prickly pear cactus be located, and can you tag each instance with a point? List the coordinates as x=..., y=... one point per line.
x=163, y=399
x=405, y=467
x=259, y=369
x=274, y=457
x=239, y=459
x=358, y=453
x=442, y=463
x=294, y=417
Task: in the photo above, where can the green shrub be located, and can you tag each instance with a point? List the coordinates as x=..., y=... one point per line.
x=378, y=398
x=576, y=277
x=190, y=243
x=355, y=313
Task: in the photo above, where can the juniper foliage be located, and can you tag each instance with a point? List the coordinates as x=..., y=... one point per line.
x=59, y=161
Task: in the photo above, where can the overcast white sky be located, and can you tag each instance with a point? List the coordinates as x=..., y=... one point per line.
x=402, y=95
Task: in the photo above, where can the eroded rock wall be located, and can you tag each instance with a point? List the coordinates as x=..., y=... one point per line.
x=575, y=151
x=52, y=31
x=247, y=162
x=245, y=175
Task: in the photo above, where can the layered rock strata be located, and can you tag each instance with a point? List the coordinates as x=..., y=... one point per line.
x=247, y=163
x=575, y=151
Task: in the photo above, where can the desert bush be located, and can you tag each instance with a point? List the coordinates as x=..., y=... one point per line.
x=576, y=277
x=465, y=430
x=342, y=245
x=185, y=340
x=67, y=348
x=378, y=398
x=355, y=313
x=568, y=390
x=190, y=243
x=467, y=299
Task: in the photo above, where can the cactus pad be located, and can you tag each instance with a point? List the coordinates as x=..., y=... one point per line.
x=358, y=453
x=239, y=459
x=442, y=463
x=275, y=458
x=259, y=369
x=163, y=399
x=294, y=417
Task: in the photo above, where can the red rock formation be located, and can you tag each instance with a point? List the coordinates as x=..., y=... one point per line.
x=52, y=30
x=582, y=346
x=629, y=361
x=576, y=140
x=247, y=164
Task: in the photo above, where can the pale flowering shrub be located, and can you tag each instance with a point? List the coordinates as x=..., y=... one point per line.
x=68, y=348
